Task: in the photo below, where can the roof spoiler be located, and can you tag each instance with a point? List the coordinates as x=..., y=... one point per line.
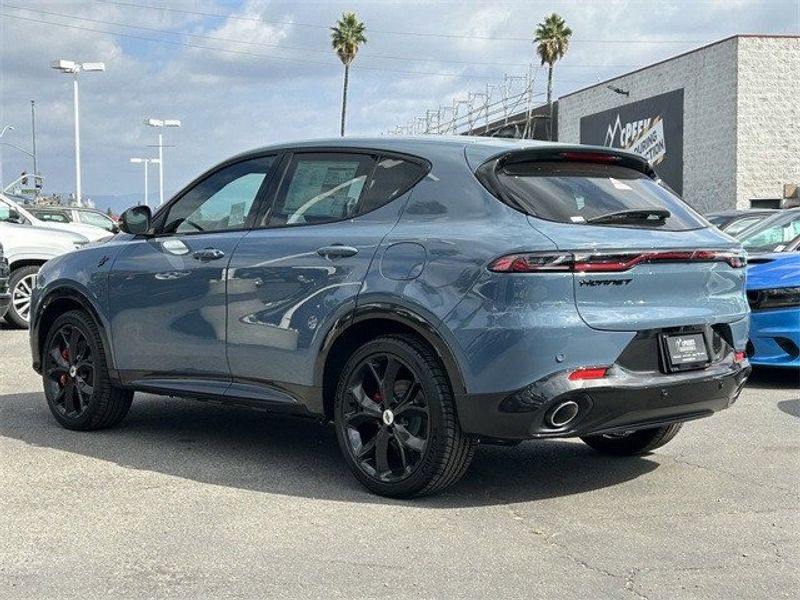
x=575, y=153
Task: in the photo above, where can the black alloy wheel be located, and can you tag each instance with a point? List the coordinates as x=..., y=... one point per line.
x=396, y=421
x=75, y=375
x=387, y=417
x=70, y=371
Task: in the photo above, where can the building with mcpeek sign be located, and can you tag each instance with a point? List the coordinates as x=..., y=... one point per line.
x=720, y=123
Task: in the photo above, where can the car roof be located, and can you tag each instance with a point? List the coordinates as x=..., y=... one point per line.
x=480, y=149
x=747, y=212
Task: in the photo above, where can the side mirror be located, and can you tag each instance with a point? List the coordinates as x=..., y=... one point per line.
x=135, y=220
x=15, y=217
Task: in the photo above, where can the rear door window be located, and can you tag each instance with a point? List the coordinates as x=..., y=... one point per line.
x=601, y=194
x=324, y=187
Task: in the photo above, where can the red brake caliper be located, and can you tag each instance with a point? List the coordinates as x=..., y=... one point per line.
x=64, y=377
x=376, y=397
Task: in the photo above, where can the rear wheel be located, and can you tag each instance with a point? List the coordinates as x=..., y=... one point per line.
x=21, y=285
x=75, y=374
x=633, y=443
x=396, y=420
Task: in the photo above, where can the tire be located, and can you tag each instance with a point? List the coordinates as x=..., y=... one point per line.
x=75, y=376
x=634, y=443
x=20, y=285
x=410, y=444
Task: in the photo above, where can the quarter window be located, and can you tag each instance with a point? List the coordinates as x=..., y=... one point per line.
x=222, y=201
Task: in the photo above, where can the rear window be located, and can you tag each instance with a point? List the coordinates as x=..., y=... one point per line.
x=598, y=194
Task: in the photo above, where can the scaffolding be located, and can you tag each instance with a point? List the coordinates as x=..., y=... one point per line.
x=511, y=104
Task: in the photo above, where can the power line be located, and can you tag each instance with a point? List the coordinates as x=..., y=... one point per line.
x=404, y=33
x=266, y=56
x=302, y=49
x=253, y=54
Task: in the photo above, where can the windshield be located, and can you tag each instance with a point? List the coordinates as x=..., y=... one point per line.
x=582, y=193
x=741, y=225
x=768, y=236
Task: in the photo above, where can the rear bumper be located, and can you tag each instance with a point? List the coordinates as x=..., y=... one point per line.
x=623, y=400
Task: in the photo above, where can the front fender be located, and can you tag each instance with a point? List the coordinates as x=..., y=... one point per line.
x=77, y=279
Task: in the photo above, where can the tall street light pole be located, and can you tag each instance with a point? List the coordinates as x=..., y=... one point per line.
x=147, y=162
x=73, y=68
x=2, y=133
x=33, y=135
x=160, y=124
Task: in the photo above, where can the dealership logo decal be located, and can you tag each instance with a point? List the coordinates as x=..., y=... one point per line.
x=643, y=136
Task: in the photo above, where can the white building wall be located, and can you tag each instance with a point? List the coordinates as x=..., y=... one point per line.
x=768, y=117
x=708, y=78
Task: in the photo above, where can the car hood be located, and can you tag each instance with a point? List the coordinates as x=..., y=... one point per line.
x=90, y=232
x=777, y=270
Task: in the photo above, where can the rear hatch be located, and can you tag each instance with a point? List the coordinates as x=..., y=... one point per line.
x=642, y=259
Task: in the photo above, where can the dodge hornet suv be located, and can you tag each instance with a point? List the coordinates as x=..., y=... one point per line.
x=424, y=295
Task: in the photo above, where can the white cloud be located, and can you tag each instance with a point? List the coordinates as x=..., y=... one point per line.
x=248, y=97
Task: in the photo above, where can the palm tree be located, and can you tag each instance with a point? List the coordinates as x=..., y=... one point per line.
x=346, y=37
x=552, y=41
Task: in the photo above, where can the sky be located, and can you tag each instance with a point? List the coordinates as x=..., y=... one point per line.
x=240, y=74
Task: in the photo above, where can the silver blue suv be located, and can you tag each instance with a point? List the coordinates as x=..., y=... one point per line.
x=424, y=295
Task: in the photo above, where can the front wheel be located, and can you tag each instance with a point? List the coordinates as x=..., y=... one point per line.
x=633, y=443
x=396, y=421
x=77, y=386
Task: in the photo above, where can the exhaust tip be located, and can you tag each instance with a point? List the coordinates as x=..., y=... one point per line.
x=563, y=414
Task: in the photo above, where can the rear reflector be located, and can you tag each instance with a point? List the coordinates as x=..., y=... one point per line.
x=612, y=262
x=592, y=373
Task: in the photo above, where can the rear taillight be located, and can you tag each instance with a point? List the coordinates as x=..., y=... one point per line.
x=533, y=263
x=612, y=262
x=739, y=356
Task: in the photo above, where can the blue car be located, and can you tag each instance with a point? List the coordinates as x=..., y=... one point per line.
x=424, y=295
x=773, y=289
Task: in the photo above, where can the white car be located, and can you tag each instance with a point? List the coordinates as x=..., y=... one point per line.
x=26, y=247
x=17, y=213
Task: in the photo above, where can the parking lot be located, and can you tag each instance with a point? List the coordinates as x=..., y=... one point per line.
x=188, y=500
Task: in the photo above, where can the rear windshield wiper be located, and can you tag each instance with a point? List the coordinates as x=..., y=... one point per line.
x=633, y=214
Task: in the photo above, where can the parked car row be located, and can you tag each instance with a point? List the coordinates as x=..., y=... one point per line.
x=72, y=214
x=761, y=231
x=772, y=241
x=28, y=242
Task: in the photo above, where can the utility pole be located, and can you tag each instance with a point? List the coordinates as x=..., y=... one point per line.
x=33, y=135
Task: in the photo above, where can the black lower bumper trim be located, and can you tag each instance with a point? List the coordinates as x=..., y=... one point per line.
x=623, y=401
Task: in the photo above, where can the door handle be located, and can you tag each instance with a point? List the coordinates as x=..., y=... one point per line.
x=207, y=254
x=337, y=251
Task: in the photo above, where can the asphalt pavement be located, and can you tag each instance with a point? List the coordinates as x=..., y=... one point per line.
x=194, y=500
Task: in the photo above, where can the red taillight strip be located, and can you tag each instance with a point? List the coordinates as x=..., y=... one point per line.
x=607, y=262
x=604, y=263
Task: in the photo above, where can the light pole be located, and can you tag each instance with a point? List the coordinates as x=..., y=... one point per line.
x=146, y=162
x=2, y=133
x=72, y=67
x=161, y=123
x=33, y=135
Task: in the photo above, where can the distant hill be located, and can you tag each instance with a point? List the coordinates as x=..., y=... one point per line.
x=117, y=203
